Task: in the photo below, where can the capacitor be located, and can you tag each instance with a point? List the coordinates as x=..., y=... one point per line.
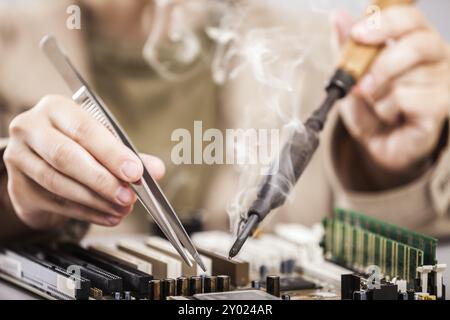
x=360, y=295
x=182, y=286
x=402, y=296
x=167, y=288
x=210, y=284
x=256, y=284
x=154, y=290
x=117, y=296
x=195, y=285
x=127, y=295
x=273, y=285
x=223, y=283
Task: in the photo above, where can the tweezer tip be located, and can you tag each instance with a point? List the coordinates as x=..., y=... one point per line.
x=200, y=262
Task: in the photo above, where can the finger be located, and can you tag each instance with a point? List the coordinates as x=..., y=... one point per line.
x=358, y=117
x=50, y=179
x=154, y=165
x=393, y=23
x=38, y=197
x=405, y=144
x=426, y=74
x=343, y=21
x=414, y=49
x=81, y=127
x=387, y=110
x=79, y=212
x=422, y=101
x=69, y=158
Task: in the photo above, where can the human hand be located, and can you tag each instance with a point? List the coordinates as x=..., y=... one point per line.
x=63, y=164
x=398, y=109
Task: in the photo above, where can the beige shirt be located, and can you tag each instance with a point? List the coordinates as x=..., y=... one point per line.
x=150, y=108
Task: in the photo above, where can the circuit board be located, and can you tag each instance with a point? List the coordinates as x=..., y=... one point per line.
x=325, y=262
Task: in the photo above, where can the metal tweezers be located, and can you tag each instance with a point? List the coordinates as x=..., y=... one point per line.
x=147, y=190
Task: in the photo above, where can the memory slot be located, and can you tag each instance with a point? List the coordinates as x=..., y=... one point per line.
x=426, y=244
x=356, y=248
x=166, y=247
x=101, y=279
x=134, y=280
x=164, y=266
x=48, y=277
x=122, y=257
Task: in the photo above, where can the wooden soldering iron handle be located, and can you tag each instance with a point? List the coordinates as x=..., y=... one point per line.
x=357, y=58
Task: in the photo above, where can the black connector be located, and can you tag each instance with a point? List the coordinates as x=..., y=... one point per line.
x=134, y=280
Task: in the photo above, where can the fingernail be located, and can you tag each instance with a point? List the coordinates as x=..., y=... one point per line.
x=111, y=220
x=130, y=169
x=124, y=195
x=367, y=84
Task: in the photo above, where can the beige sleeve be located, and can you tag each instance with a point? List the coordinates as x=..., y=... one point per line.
x=422, y=204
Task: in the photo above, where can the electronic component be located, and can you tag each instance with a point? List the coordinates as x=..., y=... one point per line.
x=122, y=257
x=236, y=295
x=256, y=284
x=223, y=283
x=350, y=283
x=298, y=270
x=182, y=286
x=416, y=240
x=163, y=265
x=154, y=290
x=210, y=284
x=164, y=246
x=99, y=278
x=291, y=283
x=357, y=242
x=273, y=285
x=195, y=285
x=167, y=288
x=238, y=270
x=45, y=276
x=133, y=280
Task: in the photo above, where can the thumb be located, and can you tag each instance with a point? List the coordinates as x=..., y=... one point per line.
x=154, y=165
x=343, y=22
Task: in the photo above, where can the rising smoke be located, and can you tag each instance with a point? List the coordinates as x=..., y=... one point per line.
x=269, y=52
x=275, y=45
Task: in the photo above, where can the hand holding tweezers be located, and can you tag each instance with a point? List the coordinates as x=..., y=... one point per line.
x=147, y=190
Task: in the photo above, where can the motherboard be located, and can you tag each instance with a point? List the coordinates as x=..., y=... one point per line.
x=349, y=256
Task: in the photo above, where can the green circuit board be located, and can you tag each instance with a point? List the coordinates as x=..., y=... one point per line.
x=426, y=244
x=356, y=241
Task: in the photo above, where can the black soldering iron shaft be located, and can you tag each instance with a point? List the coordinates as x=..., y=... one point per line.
x=292, y=161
